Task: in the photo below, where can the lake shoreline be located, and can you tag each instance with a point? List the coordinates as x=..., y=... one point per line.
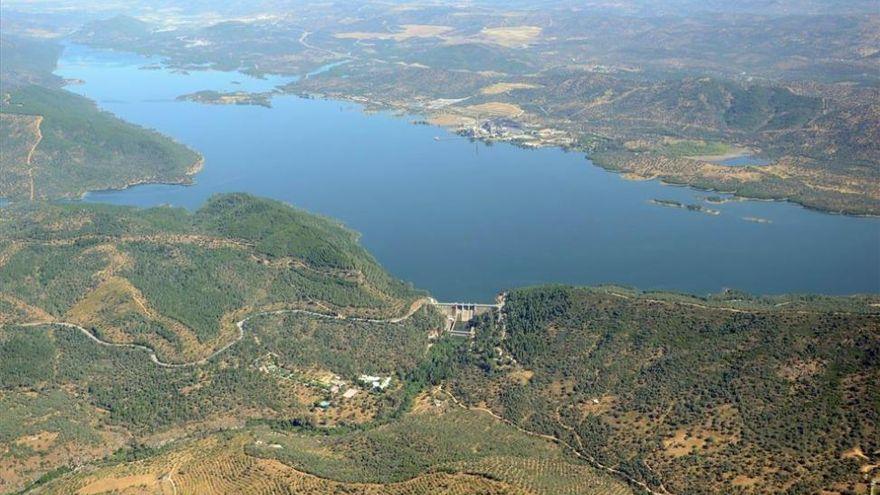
x=416, y=118
x=466, y=218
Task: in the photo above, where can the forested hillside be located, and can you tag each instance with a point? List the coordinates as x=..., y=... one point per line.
x=123, y=330
x=89, y=292
x=721, y=395
x=177, y=282
x=56, y=144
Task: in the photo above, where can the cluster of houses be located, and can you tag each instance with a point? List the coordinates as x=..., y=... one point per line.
x=375, y=383
x=501, y=128
x=332, y=383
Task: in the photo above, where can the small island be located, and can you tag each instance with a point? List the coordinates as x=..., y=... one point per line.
x=212, y=97
x=720, y=200
x=757, y=220
x=671, y=203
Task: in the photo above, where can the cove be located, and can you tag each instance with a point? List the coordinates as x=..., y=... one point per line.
x=466, y=220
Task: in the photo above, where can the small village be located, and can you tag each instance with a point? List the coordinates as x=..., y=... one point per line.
x=509, y=130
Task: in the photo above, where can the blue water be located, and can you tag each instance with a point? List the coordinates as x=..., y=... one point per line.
x=467, y=220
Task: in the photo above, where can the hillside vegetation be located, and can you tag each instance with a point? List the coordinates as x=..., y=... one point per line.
x=723, y=395
x=439, y=436
x=434, y=450
x=27, y=61
x=79, y=282
x=257, y=317
x=81, y=148
x=178, y=282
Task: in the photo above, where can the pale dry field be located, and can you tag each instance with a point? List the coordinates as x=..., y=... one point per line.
x=512, y=36
x=409, y=31
x=502, y=88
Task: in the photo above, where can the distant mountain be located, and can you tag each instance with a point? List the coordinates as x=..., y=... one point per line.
x=120, y=28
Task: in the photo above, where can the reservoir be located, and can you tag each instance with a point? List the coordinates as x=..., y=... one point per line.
x=466, y=220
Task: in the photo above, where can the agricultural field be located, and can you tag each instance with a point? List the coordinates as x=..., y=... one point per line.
x=220, y=464
x=437, y=448
x=438, y=435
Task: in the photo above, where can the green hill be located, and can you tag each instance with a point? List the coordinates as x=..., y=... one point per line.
x=177, y=281
x=163, y=319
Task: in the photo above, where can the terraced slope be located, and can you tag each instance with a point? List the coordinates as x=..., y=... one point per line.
x=219, y=465
x=438, y=448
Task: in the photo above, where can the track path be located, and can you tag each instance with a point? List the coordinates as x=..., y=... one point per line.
x=30, y=156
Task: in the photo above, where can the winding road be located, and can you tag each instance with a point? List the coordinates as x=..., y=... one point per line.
x=414, y=307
